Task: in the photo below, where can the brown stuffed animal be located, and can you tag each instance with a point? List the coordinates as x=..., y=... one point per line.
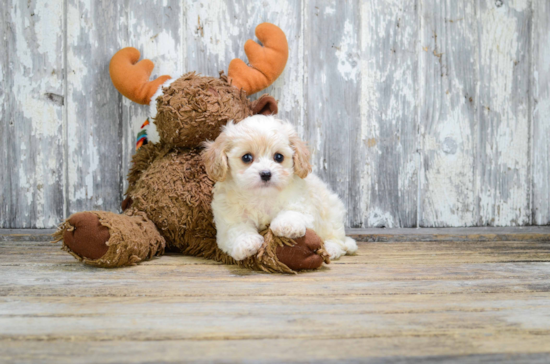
x=169, y=194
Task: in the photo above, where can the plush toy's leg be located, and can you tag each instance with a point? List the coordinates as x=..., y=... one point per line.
x=285, y=255
x=108, y=240
x=308, y=253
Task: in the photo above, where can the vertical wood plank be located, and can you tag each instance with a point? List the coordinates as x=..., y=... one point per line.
x=332, y=97
x=213, y=35
x=447, y=100
x=32, y=114
x=503, y=108
x=155, y=28
x=5, y=183
x=389, y=79
x=217, y=31
x=540, y=104
x=93, y=107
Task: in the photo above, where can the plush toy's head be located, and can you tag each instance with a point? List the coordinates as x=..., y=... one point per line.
x=193, y=108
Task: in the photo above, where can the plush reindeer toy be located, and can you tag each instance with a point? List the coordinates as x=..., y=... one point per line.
x=169, y=194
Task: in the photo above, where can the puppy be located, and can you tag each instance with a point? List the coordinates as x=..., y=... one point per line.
x=262, y=174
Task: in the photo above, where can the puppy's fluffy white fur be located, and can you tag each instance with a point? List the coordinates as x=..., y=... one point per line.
x=292, y=199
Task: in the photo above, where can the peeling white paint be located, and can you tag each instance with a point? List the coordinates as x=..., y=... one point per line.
x=519, y=5
x=504, y=193
x=348, y=64
x=379, y=218
x=388, y=116
x=48, y=20
x=215, y=32
x=34, y=71
x=329, y=10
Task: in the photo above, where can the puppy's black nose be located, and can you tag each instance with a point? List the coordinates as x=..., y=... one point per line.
x=265, y=175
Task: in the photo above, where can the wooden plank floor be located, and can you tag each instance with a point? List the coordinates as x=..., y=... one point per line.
x=440, y=300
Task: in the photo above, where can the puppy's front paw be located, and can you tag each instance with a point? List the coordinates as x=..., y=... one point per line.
x=288, y=226
x=334, y=249
x=350, y=245
x=247, y=245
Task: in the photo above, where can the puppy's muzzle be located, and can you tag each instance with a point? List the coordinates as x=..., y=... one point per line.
x=265, y=175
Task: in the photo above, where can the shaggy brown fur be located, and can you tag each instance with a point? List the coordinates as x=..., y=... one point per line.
x=176, y=193
x=194, y=108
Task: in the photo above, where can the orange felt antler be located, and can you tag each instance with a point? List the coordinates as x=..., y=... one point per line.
x=266, y=63
x=131, y=78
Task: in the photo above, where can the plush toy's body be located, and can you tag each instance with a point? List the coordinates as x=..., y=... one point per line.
x=169, y=194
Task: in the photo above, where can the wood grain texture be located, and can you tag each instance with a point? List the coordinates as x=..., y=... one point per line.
x=540, y=106
x=332, y=97
x=5, y=196
x=93, y=107
x=454, y=301
x=190, y=319
x=31, y=163
x=447, y=113
x=389, y=77
x=503, y=111
x=525, y=233
x=367, y=350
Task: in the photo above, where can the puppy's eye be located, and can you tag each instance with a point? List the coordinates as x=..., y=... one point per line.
x=247, y=158
x=279, y=158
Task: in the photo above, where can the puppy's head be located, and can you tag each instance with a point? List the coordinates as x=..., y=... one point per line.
x=260, y=152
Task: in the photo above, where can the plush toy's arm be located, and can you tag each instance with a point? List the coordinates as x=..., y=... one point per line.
x=143, y=158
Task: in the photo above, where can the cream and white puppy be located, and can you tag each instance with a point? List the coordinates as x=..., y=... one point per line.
x=262, y=174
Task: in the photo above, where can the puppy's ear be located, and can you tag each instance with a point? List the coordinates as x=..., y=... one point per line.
x=215, y=158
x=302, y=167
x=265, y=105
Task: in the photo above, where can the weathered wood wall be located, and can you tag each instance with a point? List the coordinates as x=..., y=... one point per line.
x=418, y=112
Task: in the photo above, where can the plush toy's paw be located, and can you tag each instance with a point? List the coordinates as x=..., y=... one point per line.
x=289, y=225
x=335, y=248
x=87, y=238
x=303, y=255
x=247, y=245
